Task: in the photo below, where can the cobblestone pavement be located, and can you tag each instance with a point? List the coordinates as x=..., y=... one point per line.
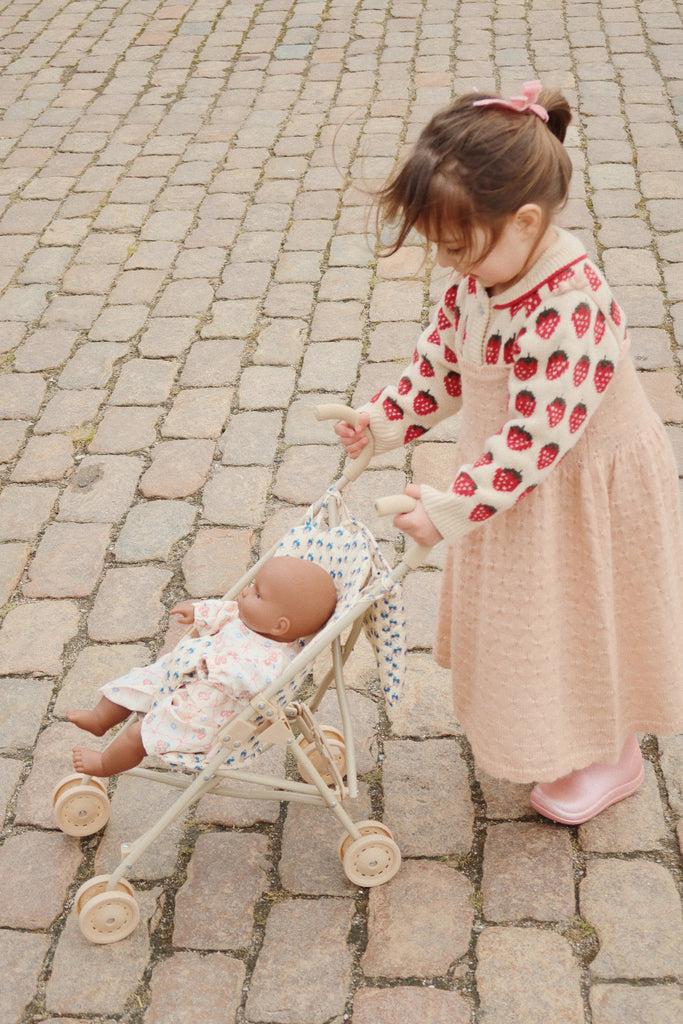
x=185, y=272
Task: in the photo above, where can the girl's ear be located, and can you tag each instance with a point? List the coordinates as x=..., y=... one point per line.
x=281, y=627
x=529, y=220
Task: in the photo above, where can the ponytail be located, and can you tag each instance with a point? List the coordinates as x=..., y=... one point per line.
x=559, y=114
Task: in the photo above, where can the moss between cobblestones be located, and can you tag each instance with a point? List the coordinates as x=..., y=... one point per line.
x=583, y=939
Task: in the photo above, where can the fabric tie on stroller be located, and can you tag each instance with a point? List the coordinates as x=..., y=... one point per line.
x=352, y=556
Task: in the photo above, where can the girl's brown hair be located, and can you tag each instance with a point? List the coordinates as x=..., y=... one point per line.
x=473, y=167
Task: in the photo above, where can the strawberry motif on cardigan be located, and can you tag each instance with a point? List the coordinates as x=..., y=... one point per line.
x=560, y=277
x=493, y=348
x=592, y=276
x=511, y=349
x=581, y=318
x=413, y=432
x=525, y=403
x=426, y=368
x=528, y=303
x=599, y=327
x=464, y=484
x=581, y=371
x=424, y=403
x=546, y=323
x=453, y=384
x=556, y=410
x=603, y=374
x=442, y=321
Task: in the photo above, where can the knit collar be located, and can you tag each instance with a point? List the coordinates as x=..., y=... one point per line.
x=566, y=249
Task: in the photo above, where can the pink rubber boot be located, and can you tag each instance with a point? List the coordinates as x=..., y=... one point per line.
x=583, y=794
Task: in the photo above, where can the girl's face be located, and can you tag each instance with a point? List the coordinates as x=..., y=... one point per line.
x=516, y=249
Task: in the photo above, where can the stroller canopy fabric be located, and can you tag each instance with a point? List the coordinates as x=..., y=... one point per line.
x=350, y=553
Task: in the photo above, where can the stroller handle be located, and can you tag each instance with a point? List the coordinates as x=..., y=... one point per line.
x=393, y=505
x=390, y=504
x=334, y=411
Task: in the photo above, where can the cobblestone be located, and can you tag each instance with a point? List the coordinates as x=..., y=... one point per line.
x=151, y=529
x=189, y=987
x=636, y=940
x=187, y=267
x=404, y=936
x=522, y=973
x=527, y=873
x=38, y=905
x=24, y=702
x=128, y=605
x=292, y=949
x=13, y=558
x=68, y=561
x=178, y=468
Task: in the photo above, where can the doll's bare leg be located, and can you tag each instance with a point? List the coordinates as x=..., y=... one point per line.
x=124, y=752
x=101, y=719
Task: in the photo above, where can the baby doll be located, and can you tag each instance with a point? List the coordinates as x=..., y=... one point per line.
x=236, y=649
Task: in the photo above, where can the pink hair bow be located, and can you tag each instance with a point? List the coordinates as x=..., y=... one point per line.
x=527, y=101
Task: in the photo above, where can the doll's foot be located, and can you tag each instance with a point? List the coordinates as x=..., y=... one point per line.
x=87, y=720
x=88, y=762
x=576, y=798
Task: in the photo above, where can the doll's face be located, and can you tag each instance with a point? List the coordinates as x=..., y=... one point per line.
x=288, y=599
x=262, y=605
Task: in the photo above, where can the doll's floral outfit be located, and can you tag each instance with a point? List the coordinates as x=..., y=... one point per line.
x=562, y=598
x=191, y=692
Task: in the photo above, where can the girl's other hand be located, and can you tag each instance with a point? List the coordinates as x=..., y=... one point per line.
x=417, y=523
x=184, y=612
x=355, y=438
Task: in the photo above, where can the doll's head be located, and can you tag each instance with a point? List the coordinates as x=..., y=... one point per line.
x=475, y=164
x=289, y=598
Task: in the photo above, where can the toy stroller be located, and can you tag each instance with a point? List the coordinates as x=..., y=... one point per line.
x=369, y=596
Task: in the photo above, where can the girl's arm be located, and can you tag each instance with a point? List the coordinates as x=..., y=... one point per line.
x=428, y=391
x=557, y=380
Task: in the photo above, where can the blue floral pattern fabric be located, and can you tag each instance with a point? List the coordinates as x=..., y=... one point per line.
x=350, y=553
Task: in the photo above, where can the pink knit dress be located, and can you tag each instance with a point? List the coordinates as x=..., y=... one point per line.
x=562, y=597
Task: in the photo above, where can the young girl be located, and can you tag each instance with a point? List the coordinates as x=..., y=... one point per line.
x=562, y=596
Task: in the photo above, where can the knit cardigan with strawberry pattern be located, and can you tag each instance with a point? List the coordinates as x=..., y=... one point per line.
x=560, y=332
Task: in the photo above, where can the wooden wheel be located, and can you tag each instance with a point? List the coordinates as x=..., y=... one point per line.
x=366, y=828
x=80, y=805
x=106, y=915
x=337, y=749
x=371, y=860
x=96, y=885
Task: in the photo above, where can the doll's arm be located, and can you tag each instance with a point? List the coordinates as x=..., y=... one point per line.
x=212, y=614
x=184, y=613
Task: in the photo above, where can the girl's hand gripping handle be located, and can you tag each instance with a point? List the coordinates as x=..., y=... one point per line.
x=420, y=526
x=355, y=435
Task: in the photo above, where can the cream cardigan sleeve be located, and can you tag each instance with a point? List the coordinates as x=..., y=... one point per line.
x=563, y=362
x=429, y=389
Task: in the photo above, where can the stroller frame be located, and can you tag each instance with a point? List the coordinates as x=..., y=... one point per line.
x=106, y=905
